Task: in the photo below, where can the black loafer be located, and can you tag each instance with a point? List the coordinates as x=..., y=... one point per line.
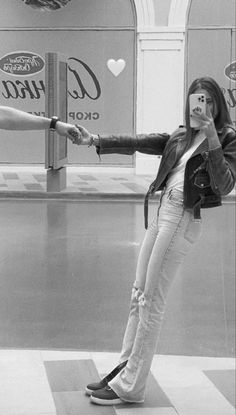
x=105, y=396
x=92, y=387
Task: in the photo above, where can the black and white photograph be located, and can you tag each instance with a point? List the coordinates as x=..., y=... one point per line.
x=117, y=207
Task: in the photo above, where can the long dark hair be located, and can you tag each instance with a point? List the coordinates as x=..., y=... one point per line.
x=221, y=112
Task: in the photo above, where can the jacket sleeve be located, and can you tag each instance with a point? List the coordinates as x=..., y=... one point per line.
x=125, y=144
x=222, y=165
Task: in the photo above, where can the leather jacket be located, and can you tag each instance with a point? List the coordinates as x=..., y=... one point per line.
x=209, y=174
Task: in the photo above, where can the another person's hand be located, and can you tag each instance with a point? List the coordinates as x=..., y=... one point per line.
x=69, y=130
x=86, y=136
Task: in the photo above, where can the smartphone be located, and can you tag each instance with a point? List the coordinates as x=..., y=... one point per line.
x=196, y=102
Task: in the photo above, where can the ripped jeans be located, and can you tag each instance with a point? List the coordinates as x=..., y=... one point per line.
x=167, y=241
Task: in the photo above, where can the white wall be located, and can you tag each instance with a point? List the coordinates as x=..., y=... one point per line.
x=160, y=73
x=159, y=87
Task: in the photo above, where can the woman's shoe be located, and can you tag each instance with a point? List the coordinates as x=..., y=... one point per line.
x=105, y=396
x=92, y=387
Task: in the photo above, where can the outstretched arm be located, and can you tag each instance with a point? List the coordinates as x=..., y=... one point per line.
x=124, y=144
x=221, y=158
x=14, y=119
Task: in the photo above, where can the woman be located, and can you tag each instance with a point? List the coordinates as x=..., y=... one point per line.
x=198, y=166
x=14, y=119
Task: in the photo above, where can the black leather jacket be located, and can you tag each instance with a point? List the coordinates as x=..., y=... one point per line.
x=209, y=174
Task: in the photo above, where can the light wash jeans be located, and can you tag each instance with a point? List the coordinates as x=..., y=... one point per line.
x=167, y=241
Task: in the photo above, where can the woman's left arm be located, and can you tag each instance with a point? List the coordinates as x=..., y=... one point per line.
x=222, y=163
x=221, y=155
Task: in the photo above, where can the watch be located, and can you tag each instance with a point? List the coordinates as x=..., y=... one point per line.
x=53, y=122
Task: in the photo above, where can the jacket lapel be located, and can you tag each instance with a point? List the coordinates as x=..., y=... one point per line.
x=201, y=148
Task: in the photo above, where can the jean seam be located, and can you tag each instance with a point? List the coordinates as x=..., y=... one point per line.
x=147, y=328
x=161, y=197
x=172, y=241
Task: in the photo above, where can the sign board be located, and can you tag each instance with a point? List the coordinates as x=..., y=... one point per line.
x=98, y=40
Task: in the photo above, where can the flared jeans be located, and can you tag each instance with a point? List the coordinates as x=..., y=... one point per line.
x=167, y=241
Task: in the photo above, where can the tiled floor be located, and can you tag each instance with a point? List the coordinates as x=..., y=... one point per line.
x=79, y=180
x=36, y=382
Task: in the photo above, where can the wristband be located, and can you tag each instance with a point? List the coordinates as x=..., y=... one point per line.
x=93, y=141
x=53, y=123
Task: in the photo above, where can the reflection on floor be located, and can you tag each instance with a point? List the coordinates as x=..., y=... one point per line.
x=78, y=181
x=38, y=382
x=46, y=286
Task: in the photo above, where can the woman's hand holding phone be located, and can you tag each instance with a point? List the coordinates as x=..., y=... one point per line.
x=197, y=106
x=201, y=118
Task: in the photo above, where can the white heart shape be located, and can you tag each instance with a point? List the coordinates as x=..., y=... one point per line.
x=116, y=67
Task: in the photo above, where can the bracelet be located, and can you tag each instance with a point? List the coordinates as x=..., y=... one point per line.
x=53, y=122
x=94, y=141
x=91, y=142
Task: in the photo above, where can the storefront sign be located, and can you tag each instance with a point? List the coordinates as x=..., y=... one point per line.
x=21, y=63
x=230, y=71
x=230, y=93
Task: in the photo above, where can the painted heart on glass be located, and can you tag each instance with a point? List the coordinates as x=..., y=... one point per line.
x=116, y=67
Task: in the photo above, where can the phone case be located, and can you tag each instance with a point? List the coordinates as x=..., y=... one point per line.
x=196, y=101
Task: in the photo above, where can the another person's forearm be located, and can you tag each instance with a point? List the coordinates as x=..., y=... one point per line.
x=13, y=119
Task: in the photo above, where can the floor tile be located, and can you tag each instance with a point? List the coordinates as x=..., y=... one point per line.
x=134, y=187
x=87, y=177
x=40, y=177
x=147, y=411
x=20, y=364
x=79, y=183
x=155, y=397
x=55, y=355
x=70, y=375
x=87, y=189
x=33, y=186
x=26, y=396
x=76, y=403
x=162, y=362
x=193, y=394
x=121, y=179
x=225, y=381
x=105, y=362
x=10, y=176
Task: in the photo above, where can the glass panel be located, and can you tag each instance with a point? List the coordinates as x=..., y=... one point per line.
x=77, y=13
x=101, y=82
x=209, y=53
x=212, y=13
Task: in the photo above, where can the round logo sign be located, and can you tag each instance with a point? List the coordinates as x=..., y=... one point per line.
x=46, y=4
x=21, y=63
x=230, y=71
